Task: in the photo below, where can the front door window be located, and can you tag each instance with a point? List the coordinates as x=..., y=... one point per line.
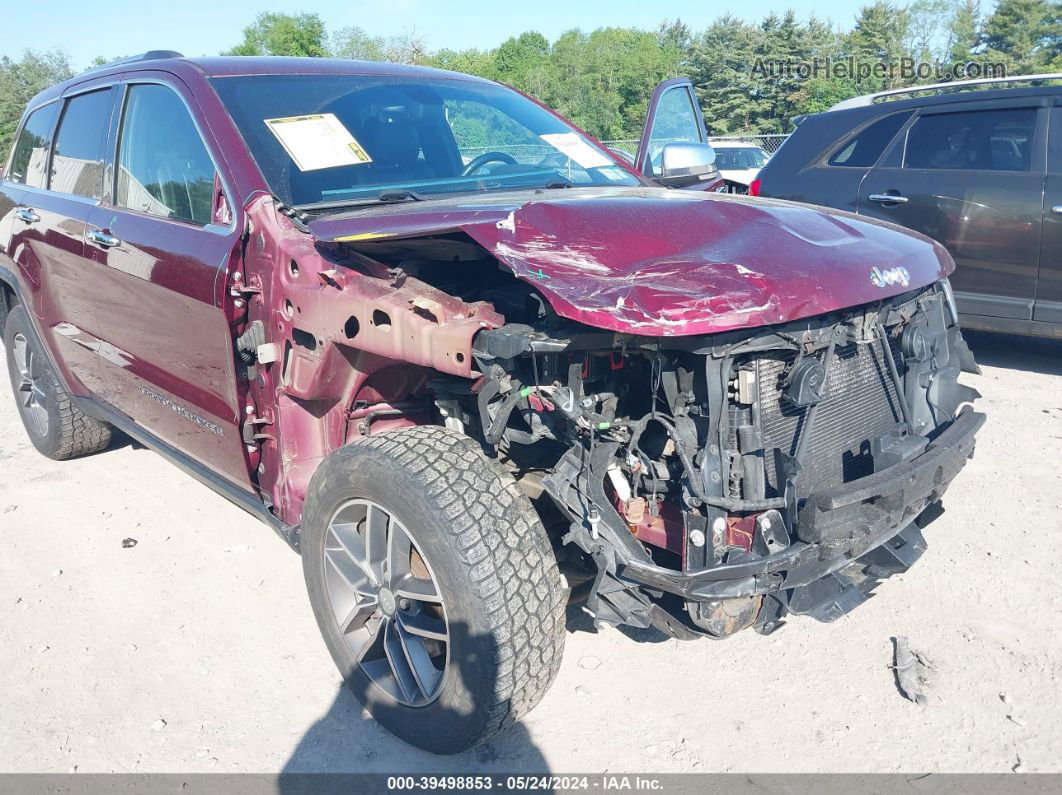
x=163, y=167
x=676, y=120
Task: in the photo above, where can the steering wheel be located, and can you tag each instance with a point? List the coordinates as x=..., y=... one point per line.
x=487, y=157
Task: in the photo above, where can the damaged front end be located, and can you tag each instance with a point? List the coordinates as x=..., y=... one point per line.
x=711, y=445
x=723, y=481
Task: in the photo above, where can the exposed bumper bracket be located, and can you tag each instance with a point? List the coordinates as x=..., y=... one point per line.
x=873, y=512
x=830, y=597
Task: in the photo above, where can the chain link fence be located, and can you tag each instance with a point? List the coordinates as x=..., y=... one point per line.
x=768, y=143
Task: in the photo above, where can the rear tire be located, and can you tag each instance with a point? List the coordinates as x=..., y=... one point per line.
x=484, y=550
x=55, y=425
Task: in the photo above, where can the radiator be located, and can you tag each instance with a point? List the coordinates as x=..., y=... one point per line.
x=860, y=403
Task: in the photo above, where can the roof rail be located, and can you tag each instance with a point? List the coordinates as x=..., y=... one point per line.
x=150, y=55
x=157, y=55
x=870, y=99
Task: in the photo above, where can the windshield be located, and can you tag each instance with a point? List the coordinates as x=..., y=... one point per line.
x=331, y=138
x=740, y=158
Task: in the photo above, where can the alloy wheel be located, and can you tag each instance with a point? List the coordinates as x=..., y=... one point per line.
x=386, y=602
x=30, y=389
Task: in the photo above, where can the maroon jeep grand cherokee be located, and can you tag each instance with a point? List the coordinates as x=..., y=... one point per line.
x=448, y=346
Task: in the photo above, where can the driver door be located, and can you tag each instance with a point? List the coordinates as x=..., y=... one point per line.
x=674, y=117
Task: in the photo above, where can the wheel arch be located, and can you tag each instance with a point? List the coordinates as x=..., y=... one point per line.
x=12, y=295
x=6, y=300
x=9, y=291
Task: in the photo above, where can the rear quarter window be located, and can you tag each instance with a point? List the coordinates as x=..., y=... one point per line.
x=866, y=147
x=29, y=161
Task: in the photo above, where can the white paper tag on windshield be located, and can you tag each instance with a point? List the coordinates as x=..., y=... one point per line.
x=614, y=174
x=577, y=149
x=318, y=141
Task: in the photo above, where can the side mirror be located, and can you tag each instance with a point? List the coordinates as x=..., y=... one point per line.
x=683, y=163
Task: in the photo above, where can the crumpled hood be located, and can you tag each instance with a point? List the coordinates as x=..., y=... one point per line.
x=666, y=263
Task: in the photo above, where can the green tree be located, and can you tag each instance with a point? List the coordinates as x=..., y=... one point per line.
x=723, y=66
x=927, y=30
x=283, y=34
x=821, y=90
x=785, y=40
x=470, y=62
x=356, y=44
x=408, y=48
x=879, y=37
x=524, y=62
x=964, y=31
x=1053, y=38
x=602, y=79
x=1026, y=35
x=822, y=93
x=582, y=89
x=20, y=80
x=676, y=35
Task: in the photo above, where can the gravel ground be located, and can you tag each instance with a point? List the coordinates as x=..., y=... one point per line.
x=195, y=650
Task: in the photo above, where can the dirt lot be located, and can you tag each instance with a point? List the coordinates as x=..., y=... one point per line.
x=195, y=649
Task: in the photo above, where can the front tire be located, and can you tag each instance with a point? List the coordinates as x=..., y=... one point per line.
x=444, y=581
x=55, y=425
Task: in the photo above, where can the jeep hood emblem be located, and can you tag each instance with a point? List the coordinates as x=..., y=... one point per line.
x=889, y=277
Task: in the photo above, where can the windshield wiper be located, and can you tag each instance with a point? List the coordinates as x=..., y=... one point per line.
x=559, y=183
x=401, y=195
x=383, y=197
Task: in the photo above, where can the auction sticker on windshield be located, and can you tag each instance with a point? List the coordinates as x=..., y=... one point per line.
x=318, y=141
x=577, y=149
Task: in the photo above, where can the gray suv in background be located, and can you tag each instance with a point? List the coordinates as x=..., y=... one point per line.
x=975, y=165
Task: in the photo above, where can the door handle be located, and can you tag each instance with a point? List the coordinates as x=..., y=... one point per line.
x=101, y=238
x=1057, y=209
x=27, y=214
x=887, y=198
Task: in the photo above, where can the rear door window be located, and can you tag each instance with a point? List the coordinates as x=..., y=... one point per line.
x=982, y=140
x=29, y=162
x=164, y=168
x=77, y=163
x=864, y=150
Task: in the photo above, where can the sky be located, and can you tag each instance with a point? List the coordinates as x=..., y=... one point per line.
x=114, y=28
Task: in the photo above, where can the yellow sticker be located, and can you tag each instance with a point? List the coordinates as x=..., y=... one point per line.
x=362, y=236
x=318, y=141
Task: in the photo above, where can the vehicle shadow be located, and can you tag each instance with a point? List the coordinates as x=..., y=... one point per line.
x=346, y=739
x=1032, y=354
x=120, y=440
